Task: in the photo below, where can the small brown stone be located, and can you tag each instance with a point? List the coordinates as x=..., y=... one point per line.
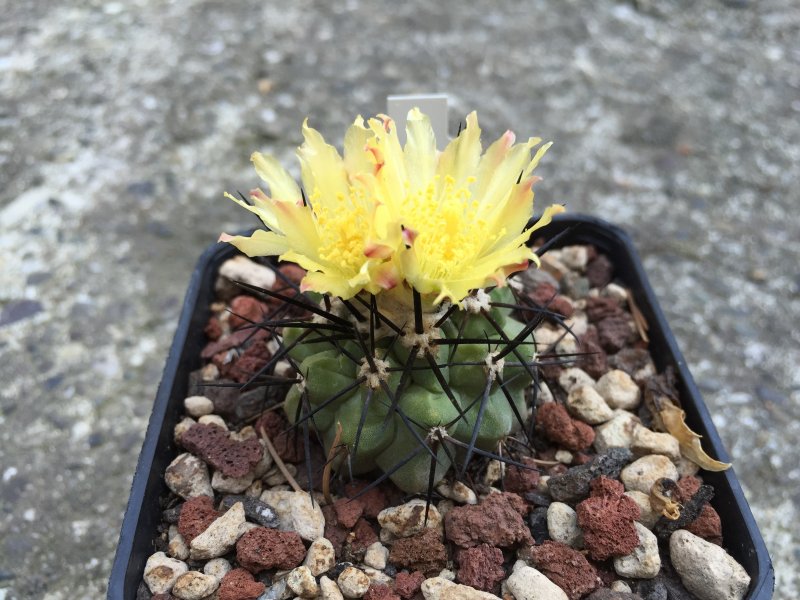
x=636, y=362
x=555, y=423
x=687, y=486
x=213, y=329
x=600, y=271
x=261, y=548
x=614, y=333
x=248, y=364
x=497, y=521
x=348, y=511
x=521, y=480
x=566, y=567
x=607, y=520
x=480, y=567
x=379, y=591
x=246, y=310
x=239, y=584
x=594, y=360
x=196, y=515
x=334, y=532
x=234, y=340
x=288, y=443
x=292, y=272
x=374, y=501
x=215, y=446
x=546, y=294
x=707, y=525
x=408, y=584
x=423, y=551
x=600, y=307
x=361, y=538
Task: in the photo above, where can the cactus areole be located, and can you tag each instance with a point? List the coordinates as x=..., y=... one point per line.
x=413, y=360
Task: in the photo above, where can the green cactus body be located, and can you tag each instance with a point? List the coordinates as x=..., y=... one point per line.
x=396, y=420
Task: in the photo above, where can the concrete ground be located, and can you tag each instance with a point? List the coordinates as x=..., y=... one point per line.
x=121, y=123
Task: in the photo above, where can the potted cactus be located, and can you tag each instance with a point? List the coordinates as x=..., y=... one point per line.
x=406, y=349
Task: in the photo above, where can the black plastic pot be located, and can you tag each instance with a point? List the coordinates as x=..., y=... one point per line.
x=143, y=515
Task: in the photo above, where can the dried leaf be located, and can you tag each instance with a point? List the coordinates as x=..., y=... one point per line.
x=674, y=421
x=661, y=499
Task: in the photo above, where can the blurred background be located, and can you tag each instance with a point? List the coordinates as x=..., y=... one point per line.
x=121, y=124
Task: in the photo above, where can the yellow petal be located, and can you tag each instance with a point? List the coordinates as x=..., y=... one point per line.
x=261, y=243
x=357, y=159
x=282, y=186
x=390, y=168
x=420, y=150
x=321, y=167
x=460, y=158
x=261, y=210
x=547, y=217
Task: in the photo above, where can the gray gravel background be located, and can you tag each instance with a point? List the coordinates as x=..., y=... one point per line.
x=121, y=123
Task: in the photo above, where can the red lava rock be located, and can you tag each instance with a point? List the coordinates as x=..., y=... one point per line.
x=374, y=501
x=600, y=271
x=707, y=525
x=600, y=307
x=261, y=548
x=595, y=359
x=546, y=295
x=348, y=511
x=557, y=426
x=517, y=502
x=292, y=272
x=234, y=340
x=481, y=567
x=605, y=486
x=378, y=591
x=239, y=584
x=248, y=364
x=614, y=333
x=215, y=446
x=288, y=443
x=406, y=584
x=497, y=521
x=196, y=515
x=581, y=458
x=607, y=520
x=213, y=329
x=246, y=310
x=567, y=568
x=634, y=361
x=423, y=551
x=361, y=538
x=687, y=486
x=335, y=533
x=521, y=480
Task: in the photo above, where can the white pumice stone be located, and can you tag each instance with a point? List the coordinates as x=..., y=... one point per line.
x=706, y=569
x=198, y=406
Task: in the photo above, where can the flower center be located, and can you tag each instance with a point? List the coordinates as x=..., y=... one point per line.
x=343, y=226
x=450, y=232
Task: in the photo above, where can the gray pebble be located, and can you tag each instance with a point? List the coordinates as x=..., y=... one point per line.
x=255, y=510
x=574, y=484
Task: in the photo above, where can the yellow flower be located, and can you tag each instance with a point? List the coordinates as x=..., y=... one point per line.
x=444, y=223
x=463, y=214
x=331, y=234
